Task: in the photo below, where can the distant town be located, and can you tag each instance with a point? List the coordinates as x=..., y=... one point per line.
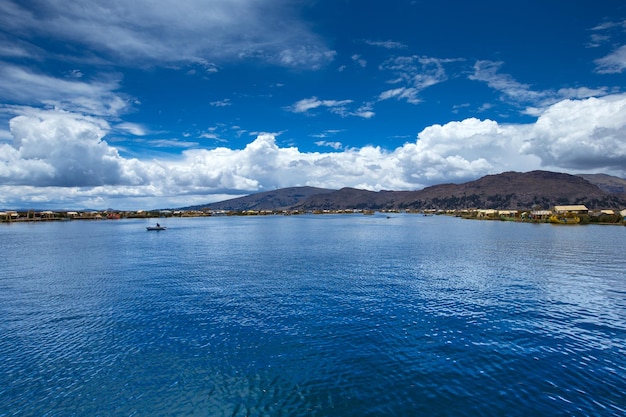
x=568, y=214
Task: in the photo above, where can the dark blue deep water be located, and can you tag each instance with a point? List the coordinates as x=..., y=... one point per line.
x=334, y=315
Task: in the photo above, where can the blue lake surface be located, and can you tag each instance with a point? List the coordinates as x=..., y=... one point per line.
x=328, y=315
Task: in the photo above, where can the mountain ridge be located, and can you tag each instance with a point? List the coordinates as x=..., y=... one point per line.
x=507, y=190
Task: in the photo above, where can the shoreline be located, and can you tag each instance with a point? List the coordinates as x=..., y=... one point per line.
x=508, y=216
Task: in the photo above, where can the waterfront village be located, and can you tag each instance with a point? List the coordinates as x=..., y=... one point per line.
x=573, y=214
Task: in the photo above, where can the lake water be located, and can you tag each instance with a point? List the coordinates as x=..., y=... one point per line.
x=328, y=315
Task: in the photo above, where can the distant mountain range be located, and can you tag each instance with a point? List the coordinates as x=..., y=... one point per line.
x=508, y=190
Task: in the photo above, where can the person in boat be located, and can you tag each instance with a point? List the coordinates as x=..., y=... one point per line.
x=158, y=225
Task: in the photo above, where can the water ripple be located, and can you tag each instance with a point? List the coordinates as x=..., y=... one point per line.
x=313, y=316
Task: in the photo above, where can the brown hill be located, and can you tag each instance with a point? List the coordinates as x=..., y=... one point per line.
x=514, y=190
x=508, y=190
x=283, y=198
x=608, y=183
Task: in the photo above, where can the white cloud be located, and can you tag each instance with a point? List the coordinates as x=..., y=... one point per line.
x=401, y=93
x=359, y=60
x=132, y=128
x=5, y=135
x=62, y=159
x=416, y=73
x=19, y=85
x=17, y=49
x=581, y=92
x=365, y=111
x=327, y=133
x=173, y=31
x=304, y=105
x=582, y=135
x=535, y=102
x=338, y=107
x=171, y=143
x=459, y=151
x=221, y=103
x=334, y=145
x=604, y=34
x=315, y=57
x=387, y=44
x=488, y=72
x=210, y=135
x=58, y=148
x=613, y=63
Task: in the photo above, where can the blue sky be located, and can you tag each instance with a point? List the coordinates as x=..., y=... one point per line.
x=154, y=104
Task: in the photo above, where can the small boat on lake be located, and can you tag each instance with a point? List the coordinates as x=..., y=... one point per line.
x=157, y=227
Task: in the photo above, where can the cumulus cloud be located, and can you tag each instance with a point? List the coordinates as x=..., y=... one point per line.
x=68, y=151
x=459, y=151
x=582, y=134
x=53, y=148
x=173, y=31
